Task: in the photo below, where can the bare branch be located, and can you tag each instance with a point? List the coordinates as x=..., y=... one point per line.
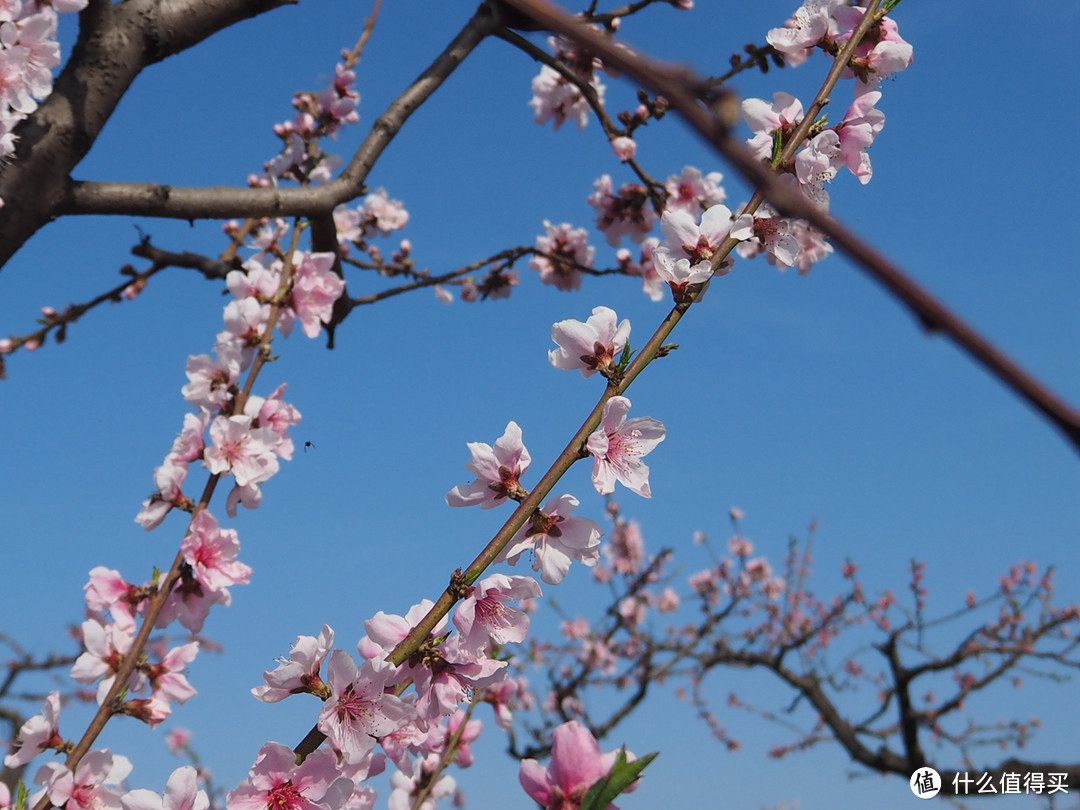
x=224, y=202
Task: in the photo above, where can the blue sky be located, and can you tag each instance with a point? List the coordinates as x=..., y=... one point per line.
x=796, y=399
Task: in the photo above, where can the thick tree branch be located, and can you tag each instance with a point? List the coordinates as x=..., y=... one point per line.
x=224, y=202
x=714, y=120
x=116, y=41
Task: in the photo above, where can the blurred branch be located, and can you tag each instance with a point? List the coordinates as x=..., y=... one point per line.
x=714, y=115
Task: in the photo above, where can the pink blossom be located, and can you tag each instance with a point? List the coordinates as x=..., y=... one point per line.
x=90, y=787
x=177, y=740
x=405, y=787
x=506, y=696
x=167, y=679
x=576, y=765
x=359, y=709
x=276, y=414
x=181, y=793
x=555, y=99
x=276, y=782
x=190, y=603
x=626, y=551
x=618, y=445
x=210, y=382
x=211, y=553
x=438, y=737
x=315, y=288
x=784, y=115
x=245, y=319
x=257, y=280
x=624, y=148
x=498, y=471
x=812, y=245
x=40, y=733
x=556, y=538
x=807, y=27
x=651, y=283
x=250, y=496
x=483, y=615
x=684, y=258
x=567, y=250
x=882, y=52
x=105, y=648
x=169, y=480
x=765, y=230
x=740, y=546
x=383, y=214
x=300, y=673
x=667, y=601
x=816, y=165
x=861, y=125
x=386, y=630
x=107, y=590
x=693, y=193
x=592, y=346
x=246, y=452
x=188, y=444
x=628, y=212
x=450, y=675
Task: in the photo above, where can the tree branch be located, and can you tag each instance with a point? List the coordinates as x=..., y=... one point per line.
x=115, y=43
x=224, y=202
x=714, y=120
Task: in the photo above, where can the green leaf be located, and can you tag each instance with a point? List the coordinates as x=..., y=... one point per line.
x=622, y=775
x=777, y=146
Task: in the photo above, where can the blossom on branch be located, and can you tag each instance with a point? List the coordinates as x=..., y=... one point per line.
x=92, y=786
x=592, y=346
x=181, y=793
x=40, y=733
x=556, y=538
x=483, y=615
x=567, y=250
x=618, y=445
x=498, y=471
x=360, y=709
x=276, y=782
x=300, y=673
x=576, y=765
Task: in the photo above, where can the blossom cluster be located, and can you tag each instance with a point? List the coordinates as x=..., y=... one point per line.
x=317, y=115
x=28, y=53
x=374, y=711
x=553, y=535
x=633, y=209
x=555, y=97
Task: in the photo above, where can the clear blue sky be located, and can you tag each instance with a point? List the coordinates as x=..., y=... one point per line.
x=796, y=399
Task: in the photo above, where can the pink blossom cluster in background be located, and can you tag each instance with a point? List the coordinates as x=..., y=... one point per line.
x=28, y=53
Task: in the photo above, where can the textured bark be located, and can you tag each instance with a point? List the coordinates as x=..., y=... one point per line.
x=116, y=41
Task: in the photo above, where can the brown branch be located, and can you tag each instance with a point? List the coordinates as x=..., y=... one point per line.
x=224, y=202
x=116, y=41
x=714, y=122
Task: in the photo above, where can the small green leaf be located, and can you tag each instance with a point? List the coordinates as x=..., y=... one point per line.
x=624, y=358
x=777, y=146
x=622, y=775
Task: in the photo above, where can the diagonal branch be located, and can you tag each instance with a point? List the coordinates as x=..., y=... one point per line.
x=714, y=120
x=224, y=202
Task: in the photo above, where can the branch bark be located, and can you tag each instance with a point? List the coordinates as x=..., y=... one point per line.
x=116, y=41
x=224, y=202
